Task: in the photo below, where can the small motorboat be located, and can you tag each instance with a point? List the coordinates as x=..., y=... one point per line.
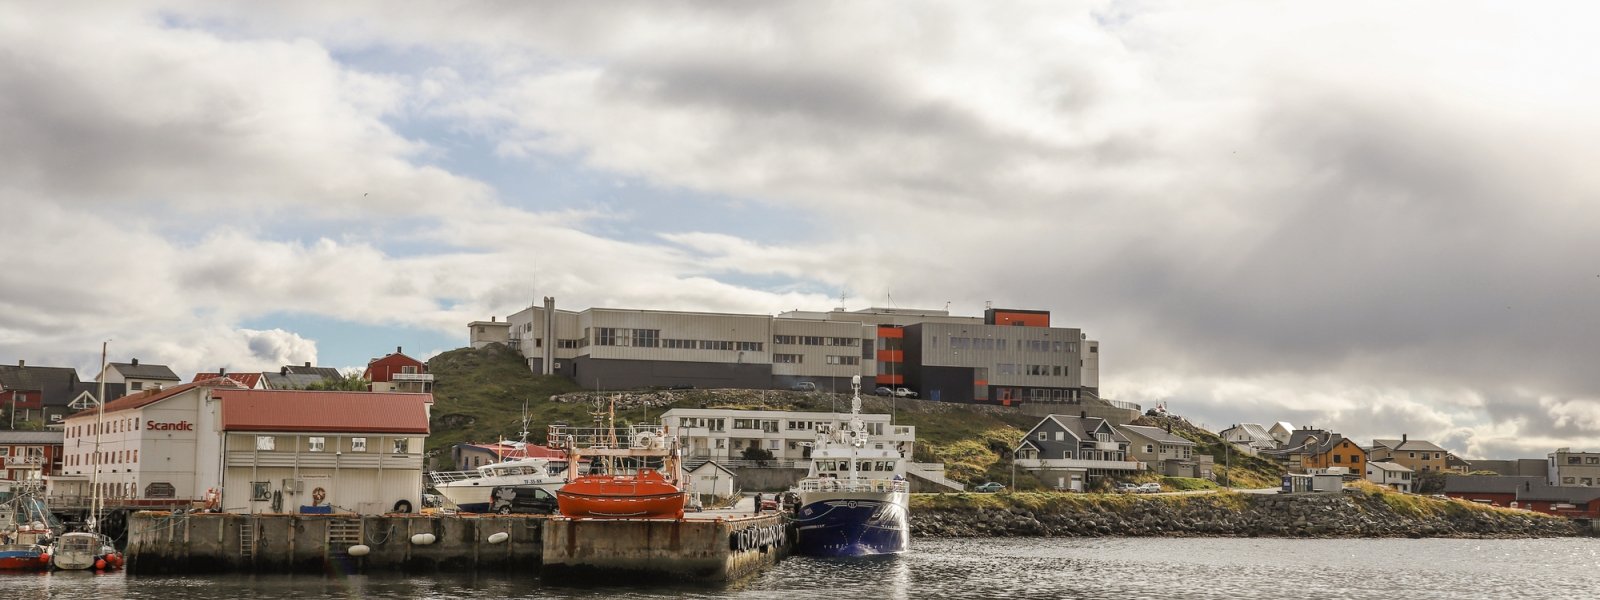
x=645, y=495
x=82, y=550
x=24, y=557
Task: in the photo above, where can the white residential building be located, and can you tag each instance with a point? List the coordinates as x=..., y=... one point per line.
x=1390, y=474
x=724, y=434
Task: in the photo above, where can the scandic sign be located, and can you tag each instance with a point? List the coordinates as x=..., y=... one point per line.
x=179, y=426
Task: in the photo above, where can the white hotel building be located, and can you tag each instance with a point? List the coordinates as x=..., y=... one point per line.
x=262, y=450
x=722, y=435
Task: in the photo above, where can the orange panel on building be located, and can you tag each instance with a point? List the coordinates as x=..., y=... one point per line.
x=1024, y=319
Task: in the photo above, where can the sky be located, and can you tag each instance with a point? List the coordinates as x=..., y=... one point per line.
x=1375, y=218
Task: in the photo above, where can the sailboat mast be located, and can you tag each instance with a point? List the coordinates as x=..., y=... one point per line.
x=99, y=423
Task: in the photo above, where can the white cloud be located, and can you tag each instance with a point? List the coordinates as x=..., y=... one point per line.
x=1374, y=217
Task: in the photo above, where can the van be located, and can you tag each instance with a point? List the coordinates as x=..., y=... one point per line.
x=804, y=386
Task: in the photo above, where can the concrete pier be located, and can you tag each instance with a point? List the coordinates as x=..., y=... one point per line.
x=166, y=543
x=692, y=550
x=707, y=548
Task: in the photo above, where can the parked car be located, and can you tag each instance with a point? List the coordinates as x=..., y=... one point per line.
x=530, y=499
x=989, y=488
x=1149, y=488
x=904, y=393
x=681, y=386
x=1126, y=487
x=804, y=386
x=883, y=391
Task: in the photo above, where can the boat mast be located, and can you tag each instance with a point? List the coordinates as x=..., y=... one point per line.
x=99, y=422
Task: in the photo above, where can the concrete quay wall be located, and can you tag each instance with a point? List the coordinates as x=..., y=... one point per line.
x=691, y=550
x=165, y=543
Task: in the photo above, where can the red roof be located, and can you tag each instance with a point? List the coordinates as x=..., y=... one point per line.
x=152, y=396
x=334, y=412
x=248, y=380
x=383, y=369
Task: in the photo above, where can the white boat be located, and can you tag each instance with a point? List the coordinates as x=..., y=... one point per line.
x=854, y=501
x=81, y=550
x=469, y=490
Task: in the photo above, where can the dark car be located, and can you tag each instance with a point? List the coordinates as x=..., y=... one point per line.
x=529, y=499
x=883, y=391
x=804, y=386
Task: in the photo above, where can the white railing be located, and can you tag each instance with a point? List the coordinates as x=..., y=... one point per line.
x=853, y=485
x=411, y=377
x=449, y=476
x=1072, y=463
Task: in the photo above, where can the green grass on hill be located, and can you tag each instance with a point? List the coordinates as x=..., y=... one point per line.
x=478, y=397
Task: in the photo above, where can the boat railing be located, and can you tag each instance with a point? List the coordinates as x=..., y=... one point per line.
x=828, y=484
x=640, y=437
x=449, y=476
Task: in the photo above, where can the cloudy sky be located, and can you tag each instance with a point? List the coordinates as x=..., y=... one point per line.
x=1381, y=220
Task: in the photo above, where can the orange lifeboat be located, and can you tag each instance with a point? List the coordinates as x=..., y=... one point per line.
x=647, y=495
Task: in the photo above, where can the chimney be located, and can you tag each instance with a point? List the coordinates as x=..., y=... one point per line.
x=283, y=370
x=1169, y=427
x=1402, y=438
x=22, y=363
x=492, y=318
x=135, y=362
x=397, y=350
x=1083, y=414
x=222, y=372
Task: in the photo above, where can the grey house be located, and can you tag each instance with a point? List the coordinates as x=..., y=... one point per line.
x=1166, y=452
x=1070, y=453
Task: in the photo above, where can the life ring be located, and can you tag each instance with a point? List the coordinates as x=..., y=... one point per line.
x=213, y=499
x=403, y=506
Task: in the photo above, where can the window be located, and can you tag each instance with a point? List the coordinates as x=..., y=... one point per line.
x=789, y=359
x=568, y=343
x=843, y=341
x=260, y=491
x=316, y=444
x=715, y=345
x=959, y=343
x=1337, y=459
x=785, y=339
x=678, y=344
x=1149, y=448
x=1043, y=436
x=748, y=346
x=408, y=369
x=843, y=360
x=772, y=444
x=1061, y=436
x=1592, y=460
x=358, y=444
x=811, y=340
x=266, y=442
x=136, y=386
x=1567, y=480
x=402, y=445
x=646, y=338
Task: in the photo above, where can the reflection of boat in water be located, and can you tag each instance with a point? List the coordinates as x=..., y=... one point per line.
x=854, y=500
x=85, y=550
x=641, y=478
x=469, y=490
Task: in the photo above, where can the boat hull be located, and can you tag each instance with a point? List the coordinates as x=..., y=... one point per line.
x=852, y=524
x=648, y=496
x=23, y=559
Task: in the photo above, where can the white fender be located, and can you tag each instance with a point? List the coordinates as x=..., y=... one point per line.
x=359, y=550
x=423, y=539
x=499, y=538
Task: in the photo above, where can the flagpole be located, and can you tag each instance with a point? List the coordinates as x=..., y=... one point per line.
x=99, y=422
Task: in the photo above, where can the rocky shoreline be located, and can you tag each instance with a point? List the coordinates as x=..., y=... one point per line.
x=1350, y=514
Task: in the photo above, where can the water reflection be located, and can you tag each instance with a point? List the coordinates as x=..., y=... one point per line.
x=1015, y=568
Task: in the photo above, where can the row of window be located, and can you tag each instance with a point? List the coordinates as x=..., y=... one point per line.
x=965, y=343
x=319, y=444
x=651, y=338
x=767, y=425
x=113, y=426
x=107, y=457
x=843, y=466
x=1574, y=460
x=1046, y=370
x=815, y=340
x=795, y=359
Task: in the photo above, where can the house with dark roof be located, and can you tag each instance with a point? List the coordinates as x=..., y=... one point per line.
x=1531, y=493
x=1165, y=452
x=1417, y=455
x=1074, y=452
x=43, y=393
x=1317, y=450
x=139, y=377
x=299, y=377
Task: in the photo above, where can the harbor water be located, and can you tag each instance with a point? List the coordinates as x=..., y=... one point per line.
x=1124, y=568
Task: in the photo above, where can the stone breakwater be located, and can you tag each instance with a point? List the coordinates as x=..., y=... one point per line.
x=1227, y=514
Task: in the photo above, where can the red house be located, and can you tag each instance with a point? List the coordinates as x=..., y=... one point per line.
x=1530, y=493
x=398, y=373
x=30, y=455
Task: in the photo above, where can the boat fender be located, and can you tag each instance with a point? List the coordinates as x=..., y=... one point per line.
x=749, y=539
x=99, y=564
x=499, y=537
x=359, y=550
x=733, y=540
x=44, y=558
x=744, y=540
x=423, y=539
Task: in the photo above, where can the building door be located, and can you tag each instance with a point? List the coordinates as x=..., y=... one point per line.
x=934, y=395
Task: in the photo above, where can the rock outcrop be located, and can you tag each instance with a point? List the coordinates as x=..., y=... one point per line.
x=1350, y=514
